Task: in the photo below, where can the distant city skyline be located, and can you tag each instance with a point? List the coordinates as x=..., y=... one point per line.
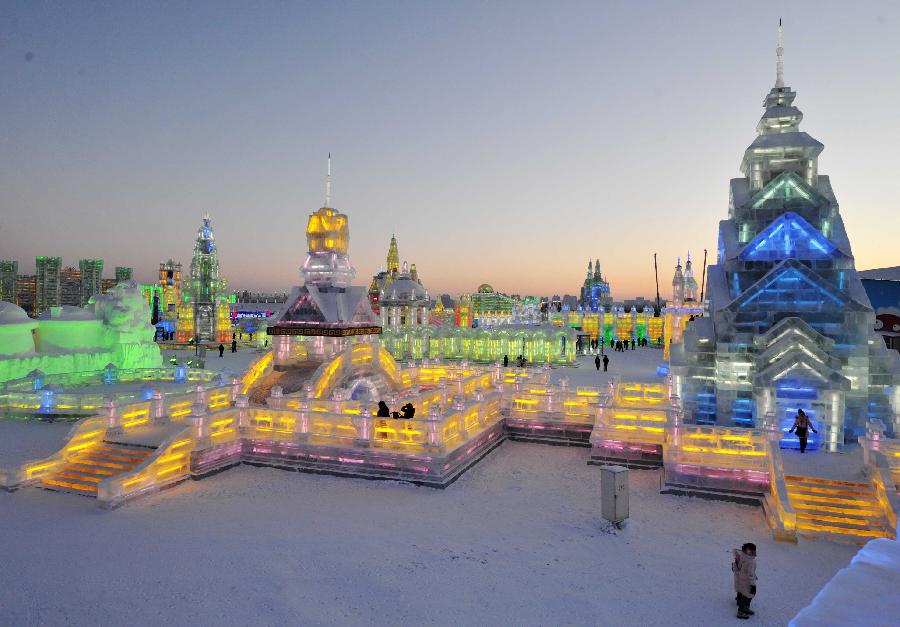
x=504, y=144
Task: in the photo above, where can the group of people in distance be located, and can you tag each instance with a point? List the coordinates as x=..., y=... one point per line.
x=620, y=346
x=521, y=361
x=407, y=412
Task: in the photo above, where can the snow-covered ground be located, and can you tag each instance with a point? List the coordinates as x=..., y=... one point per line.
x=517, y=540
x=21, y=441
x=637, y=365
x=236, y=363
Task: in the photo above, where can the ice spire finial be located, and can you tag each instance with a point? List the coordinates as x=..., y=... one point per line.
x=779, y=52
x=328, y=183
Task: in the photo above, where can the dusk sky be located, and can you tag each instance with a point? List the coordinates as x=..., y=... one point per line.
x=503, y=142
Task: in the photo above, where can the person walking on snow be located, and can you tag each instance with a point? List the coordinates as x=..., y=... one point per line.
x=802, y=424
x=597, y=362
x=221, y=349
x=744, y=568
x=233, y=346
x=605, y=362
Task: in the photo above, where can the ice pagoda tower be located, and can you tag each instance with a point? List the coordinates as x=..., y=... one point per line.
x=327, y=311
x=789, y=323
x=203, y=313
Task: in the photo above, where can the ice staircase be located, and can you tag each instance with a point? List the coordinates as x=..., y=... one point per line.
x=838, y=510
x=82, y=473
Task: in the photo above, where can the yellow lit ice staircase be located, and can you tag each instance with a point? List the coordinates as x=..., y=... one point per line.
x=842, y=510
x=82, y=473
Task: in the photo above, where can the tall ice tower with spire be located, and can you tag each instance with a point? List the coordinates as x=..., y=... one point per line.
x=789, y=326
x=203, y=314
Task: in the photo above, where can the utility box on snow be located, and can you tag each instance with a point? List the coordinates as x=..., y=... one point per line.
x=614, y=493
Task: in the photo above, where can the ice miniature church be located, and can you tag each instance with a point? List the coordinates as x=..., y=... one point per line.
x=789, y=323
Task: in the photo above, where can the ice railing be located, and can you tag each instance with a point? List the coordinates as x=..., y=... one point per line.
x=114, y=420
x=636, y=413
x=47, y=394
x=718, y=447
x=781, y=516
x=260, y=367
x=729, y=458
x=177, y=373
x=545, y=402
x=882, y=464
x=169, y=464
x=458, y=380
x=439, y=431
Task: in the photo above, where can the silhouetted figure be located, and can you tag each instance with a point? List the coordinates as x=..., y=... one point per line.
x=408, y=411
x=632, y=344
x=233, y=335
x=618, y=346
x=597, y=362
x=221, y=350
x=611, y=343
x=506, y=361
x=251, y=337
x=395, y=414
x=266, y=343
x=605, y=362
x=802, y=424
x=233, y=346
x=383, y=410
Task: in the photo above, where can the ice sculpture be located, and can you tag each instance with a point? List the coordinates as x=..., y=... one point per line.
x=789, y=323
x=111, y=330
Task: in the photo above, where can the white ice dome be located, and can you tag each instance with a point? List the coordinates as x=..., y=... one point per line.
x=405, y=289
x=11, y=313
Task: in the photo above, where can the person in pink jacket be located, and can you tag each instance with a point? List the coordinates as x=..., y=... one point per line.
x=744, y=568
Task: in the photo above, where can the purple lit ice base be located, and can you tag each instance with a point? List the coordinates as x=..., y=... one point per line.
x=627, y=453
x=436, y=471
x=732, y=479
x=548, y=431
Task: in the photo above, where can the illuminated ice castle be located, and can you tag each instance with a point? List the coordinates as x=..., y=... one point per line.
x=789, y=323
x=595, y=291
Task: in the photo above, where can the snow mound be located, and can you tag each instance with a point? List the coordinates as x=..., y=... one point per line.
x=67, y=312
x=864, y=593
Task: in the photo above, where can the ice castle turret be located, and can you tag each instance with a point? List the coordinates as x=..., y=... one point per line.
x=678, y=285
x=595, y=290
x=691, y=288
x=789, y=323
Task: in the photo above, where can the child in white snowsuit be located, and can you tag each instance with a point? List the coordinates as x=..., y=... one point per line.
x=744, y=568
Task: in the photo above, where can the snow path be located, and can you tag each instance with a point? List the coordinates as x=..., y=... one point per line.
x=25, y=440
x=516, y=540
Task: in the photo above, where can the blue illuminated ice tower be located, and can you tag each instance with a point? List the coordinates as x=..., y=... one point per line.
x=789, y=323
